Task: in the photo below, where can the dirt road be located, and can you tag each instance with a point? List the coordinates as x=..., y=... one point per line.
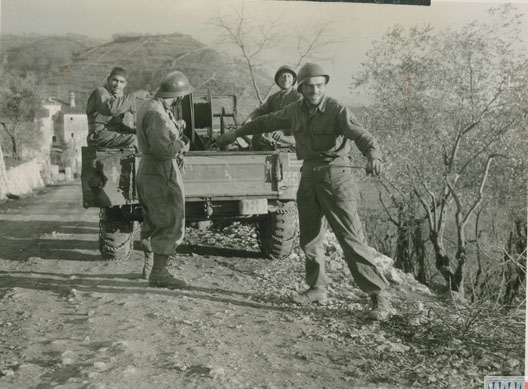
x=70, y=320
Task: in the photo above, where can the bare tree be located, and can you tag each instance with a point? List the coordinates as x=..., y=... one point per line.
x=254, y=39
x=314, y=44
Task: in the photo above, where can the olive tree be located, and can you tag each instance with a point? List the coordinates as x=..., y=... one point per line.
x=20, y=105
x=448, y=106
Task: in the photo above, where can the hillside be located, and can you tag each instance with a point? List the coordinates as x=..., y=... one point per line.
x=43, y=55
x=148, y=58
x=9, y=41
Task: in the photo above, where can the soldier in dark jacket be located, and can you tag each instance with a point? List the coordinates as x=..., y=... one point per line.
x=285, y=78
x=324, y=129
x=106, y=108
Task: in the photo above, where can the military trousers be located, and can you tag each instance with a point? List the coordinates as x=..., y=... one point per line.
x=330, y=191
x=111, y=139
x=160, y=192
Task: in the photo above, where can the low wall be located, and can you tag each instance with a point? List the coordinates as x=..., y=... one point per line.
x=3, y=177
x=23, y=178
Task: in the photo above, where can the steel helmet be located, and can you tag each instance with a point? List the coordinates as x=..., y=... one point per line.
x=310, y=70
x=175, y=84
x=282, y=69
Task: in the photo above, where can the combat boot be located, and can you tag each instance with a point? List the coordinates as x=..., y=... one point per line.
x=148, y=264
x=315, y=294
x=148, y=258
x=160, y=277
x=381, y=307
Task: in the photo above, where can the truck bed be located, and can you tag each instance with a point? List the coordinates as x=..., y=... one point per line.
x=108, y=176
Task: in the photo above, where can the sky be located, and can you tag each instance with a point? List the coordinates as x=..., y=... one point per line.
x=353, y=25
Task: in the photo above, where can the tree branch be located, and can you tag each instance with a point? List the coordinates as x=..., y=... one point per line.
x=391, y=219
x=206, y=81
x=11, y=132
x=454, y=150
x=486, y=147
x=425, y=206
x=481, y=187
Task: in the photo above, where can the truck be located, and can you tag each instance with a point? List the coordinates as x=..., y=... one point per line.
x=257, y=187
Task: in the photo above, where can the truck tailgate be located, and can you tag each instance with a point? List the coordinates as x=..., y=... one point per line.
x=238, y=175
x=109, y=176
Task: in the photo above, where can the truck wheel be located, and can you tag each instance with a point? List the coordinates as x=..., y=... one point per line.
x=116, y=234
x=277, y=232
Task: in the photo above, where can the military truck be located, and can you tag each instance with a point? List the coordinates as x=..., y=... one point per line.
x=219, y=185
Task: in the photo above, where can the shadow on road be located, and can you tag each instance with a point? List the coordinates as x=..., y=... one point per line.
x=218, y=251
x=65, y=240
x=108, y=283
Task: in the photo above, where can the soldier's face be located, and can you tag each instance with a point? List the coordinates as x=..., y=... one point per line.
x=313, y=89
x=285, y=80
x=117, y=83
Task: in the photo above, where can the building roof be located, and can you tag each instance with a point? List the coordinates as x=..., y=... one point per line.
x=65, y=106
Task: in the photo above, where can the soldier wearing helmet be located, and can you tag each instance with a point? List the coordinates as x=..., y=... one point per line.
x=106, y=108
x=285, y=78
x=324, y=130
x=159, y=183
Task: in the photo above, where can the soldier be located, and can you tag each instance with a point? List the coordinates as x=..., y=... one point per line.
x=106, y=108
x=285, y=78
x=160, y=187
x=323, y=129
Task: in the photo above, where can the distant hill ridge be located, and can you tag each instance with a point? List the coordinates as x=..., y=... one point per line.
x=21, y=42
x=147, y=59
x=42, y=55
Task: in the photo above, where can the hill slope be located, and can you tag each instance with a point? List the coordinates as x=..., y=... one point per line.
x=43, y=55
x=147, y=59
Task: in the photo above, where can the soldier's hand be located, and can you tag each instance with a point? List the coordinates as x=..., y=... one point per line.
x=374, y=167
x=187, y=144
x=226, y=139
x=181, y=124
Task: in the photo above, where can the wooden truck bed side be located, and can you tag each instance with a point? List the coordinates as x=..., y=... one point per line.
x=108, y=176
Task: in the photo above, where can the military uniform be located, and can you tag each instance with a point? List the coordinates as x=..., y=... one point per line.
x=276, y=139
x=159, y=182
x=105, y=114
x=327, y=187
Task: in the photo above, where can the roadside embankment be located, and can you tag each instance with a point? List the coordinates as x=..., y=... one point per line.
x=23, y=178
x=28, y=176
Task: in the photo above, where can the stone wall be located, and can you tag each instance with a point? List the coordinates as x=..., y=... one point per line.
x=39, y=172
x=23, y=178
x=3, y=176
x=26, y=177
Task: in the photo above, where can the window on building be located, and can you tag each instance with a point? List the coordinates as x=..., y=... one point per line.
x=72, y=135
x=54, y=139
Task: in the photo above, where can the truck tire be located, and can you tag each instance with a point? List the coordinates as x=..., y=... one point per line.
x=116, y=235
x=277, y=231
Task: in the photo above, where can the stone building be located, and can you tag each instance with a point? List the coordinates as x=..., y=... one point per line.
x=70, y=129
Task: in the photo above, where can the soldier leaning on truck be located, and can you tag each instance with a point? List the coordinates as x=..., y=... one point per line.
x=285, y=78
x=322, y=128
x=159, y=182
x=106, y=108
